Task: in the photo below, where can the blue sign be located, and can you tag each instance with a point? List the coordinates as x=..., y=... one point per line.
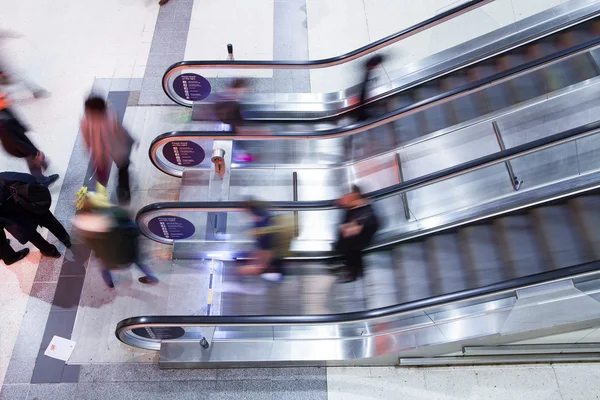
x=171, y=227
x=183, y=153
x=191, y=87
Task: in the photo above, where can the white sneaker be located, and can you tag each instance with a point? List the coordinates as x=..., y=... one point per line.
x=272, y=276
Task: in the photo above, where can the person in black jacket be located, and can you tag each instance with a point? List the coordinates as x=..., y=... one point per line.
x=16, y=143
x=23, y=224
x=355, y=233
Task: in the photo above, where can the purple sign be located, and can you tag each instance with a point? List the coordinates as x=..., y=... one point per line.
x=184, y=153
x=170, y=227
x=160, y=332
x=191, y=87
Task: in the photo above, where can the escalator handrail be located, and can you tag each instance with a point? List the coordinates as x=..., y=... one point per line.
x=358, y=316
x=372, y=123
x=327, y=62
x=393, y=190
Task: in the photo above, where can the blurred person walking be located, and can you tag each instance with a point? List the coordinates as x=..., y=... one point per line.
x=9, y=78
x=25, y=205
x=355, y=233
x=370, y=65
x=16, y=143
x=109, y=231
x=274, y=234
x=108, y=141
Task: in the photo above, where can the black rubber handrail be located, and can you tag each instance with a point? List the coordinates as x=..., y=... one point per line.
x=393, y=189
x=513, y=284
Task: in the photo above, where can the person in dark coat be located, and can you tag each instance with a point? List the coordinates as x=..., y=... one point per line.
x=355, y=233
x=16, y=143
x=23, y=224
x=7, y=253
x=370, y=65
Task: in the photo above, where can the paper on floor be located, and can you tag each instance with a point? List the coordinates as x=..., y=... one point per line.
x=60, y=348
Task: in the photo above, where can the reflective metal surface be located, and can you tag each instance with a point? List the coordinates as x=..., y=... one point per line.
x=343, y=342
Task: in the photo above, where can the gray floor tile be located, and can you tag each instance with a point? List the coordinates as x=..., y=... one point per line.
x=304, y=373
x=142, y=373
x=244, y=373
x=50, y=391
x=31, y=330
x=47, y=369
x=20, y=370
x=134, y=391
x=243, y=390
x=14, y=392
x=299, y=389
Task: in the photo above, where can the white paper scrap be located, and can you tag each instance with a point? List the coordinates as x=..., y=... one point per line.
x=60, y=348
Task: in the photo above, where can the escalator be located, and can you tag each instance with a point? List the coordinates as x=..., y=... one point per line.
x=531, y=42
x=515, y=266
x=555, y=87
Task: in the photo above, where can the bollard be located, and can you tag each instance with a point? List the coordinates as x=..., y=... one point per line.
x=230, y=52
x=219, y=161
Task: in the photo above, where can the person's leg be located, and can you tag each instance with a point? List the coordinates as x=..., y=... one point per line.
x=7, y=253
x=102, y=174
x=49, y=221
x=45, y=247
x=123, y=189
x=149, y=277
x=107, y=277
x=36, y=168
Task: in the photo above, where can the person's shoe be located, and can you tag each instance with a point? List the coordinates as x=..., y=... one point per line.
x=148, y=280
x=40, y=94
x=53, y=253
x=49, y=180
x=21, y=254
x=163, y=2
x=272, y=276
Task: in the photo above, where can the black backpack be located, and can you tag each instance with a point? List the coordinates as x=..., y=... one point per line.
x=31, y=197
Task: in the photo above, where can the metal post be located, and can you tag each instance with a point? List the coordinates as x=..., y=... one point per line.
x=514, y=181
x=230, y=52
x=403, y=194
x=295, y=185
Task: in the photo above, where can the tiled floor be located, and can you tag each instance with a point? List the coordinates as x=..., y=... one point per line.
x=71, y=46
x=531, y=382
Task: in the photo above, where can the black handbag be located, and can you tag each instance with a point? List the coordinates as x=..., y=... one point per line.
x=31, y=197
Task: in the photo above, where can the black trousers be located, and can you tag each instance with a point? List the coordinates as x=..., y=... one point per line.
x=49, y=221
x=351, y=249
x=6, y=251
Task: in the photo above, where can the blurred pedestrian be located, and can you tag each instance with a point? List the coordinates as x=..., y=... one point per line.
x=228, y=109
x=7, y=253
x=16, y=143
x=9, y=78
x=355, y=233
x=25, y=205
x=108, y=141
x=109, y=231
x=370, y=65
x=274, y=234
